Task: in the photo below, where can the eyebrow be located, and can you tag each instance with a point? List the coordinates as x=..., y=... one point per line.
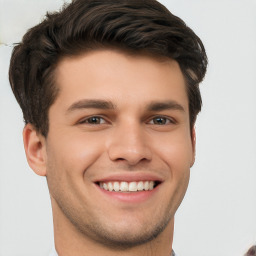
x=108, y=105
x=97, y=104
x=167, y=105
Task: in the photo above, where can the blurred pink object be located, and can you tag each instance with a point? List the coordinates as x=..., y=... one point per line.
x=251, y=251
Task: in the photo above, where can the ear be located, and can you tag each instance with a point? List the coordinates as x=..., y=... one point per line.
x=34, y=144
x=193, y=140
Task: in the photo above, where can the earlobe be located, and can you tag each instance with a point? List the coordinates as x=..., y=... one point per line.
x=34, y=144
x=193, y=139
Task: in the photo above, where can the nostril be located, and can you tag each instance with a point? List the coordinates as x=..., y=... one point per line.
x=120, y=159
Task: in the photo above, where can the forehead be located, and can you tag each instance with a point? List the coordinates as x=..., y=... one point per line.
x=120, y=77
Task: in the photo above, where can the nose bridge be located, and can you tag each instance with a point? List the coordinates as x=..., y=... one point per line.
x=128, y=143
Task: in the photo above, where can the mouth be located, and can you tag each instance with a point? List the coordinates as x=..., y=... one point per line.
x=126, y=187
x=129, y=188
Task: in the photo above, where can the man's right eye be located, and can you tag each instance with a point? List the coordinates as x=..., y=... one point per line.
x=93, y=120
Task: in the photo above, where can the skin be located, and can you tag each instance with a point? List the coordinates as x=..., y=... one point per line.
x=141, y=133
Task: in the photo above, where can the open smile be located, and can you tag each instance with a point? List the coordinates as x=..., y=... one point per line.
x=128, y=191
x=123, y=186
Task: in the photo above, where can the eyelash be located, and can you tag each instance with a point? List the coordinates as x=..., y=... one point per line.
x=167, y=120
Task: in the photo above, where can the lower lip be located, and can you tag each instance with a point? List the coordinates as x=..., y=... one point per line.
x=130, y=197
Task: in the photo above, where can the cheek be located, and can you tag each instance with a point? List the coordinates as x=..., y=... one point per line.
x=176, y=151
x=176, y=154
x=74, y=153
x=67, y=162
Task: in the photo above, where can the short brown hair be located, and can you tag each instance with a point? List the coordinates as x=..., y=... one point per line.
x=140, y=26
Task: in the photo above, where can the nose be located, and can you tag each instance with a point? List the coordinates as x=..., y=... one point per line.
x=129, y=144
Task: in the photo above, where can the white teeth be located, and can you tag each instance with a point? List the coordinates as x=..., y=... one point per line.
x=151, y=185
x=133, y=186
x=116, y=186
x=124, y=186
x=140, y=186
x=146, y=185
x=105, y=186
x=110, y=186
x=128, y=186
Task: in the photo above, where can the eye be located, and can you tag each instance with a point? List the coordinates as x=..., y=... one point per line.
x=160, y=120
x=93, y=120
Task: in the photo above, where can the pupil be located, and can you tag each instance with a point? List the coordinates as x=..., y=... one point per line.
x=160, y=120
x=94, y=120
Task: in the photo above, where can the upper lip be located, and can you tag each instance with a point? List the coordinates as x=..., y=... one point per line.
x=129, y=177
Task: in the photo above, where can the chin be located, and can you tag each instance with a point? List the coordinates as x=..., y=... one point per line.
x=126, y=235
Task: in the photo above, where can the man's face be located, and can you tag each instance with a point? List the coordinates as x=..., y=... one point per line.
x=120, y=122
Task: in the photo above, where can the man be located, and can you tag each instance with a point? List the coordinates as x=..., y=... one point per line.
x=109, y=93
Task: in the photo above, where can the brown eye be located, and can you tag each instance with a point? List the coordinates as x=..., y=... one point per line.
x=93, y=120
x=161, y=120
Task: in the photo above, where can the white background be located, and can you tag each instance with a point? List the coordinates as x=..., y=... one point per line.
x=218, y=215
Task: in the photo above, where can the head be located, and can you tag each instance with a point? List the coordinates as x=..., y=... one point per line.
x=140, y=27
x=110, y=94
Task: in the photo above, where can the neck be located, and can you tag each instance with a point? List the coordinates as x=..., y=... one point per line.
x=69, y=240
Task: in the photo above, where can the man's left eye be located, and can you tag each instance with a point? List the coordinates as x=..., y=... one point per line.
x=159, y=120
